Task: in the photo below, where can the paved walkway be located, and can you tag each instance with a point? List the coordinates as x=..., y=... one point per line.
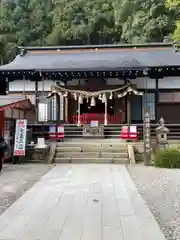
x=81, y=202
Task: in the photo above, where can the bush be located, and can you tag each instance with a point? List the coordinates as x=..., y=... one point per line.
x=167, y=158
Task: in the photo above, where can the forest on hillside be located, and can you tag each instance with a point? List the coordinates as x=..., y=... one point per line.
x=72, y=22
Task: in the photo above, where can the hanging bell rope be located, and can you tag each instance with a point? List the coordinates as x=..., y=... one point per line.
x=66, y=94
x=111, y=96
x=93, y=102
x=120, y=92
x=75, y=96
x=104, y=98
x=87, y=93
x=80, y=99
x=128, y=90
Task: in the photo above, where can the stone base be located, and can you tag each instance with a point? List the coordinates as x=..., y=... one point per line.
x=36, y=154
x=40, y=153
x=93, y=132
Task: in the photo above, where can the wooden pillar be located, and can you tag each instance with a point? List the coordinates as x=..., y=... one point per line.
x=58, y=108
x=128, y=110
x=66, y=110
x=156, y=101
x=37, y=100
x=2, y=122
x=105, y=113
x=79, y=113
x=128, y=106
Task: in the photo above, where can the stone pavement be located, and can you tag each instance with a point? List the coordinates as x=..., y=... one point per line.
x=81, y=202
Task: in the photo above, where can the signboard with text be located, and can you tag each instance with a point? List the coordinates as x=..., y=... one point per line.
x=94, y=123
x=20, y=137
x=129, y=133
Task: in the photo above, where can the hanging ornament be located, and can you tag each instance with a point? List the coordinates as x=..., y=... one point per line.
x=66, y=94
x=75, y=96
x=111, y=96
x=100, y=97
x=93, y=102
x=80, y=99
x=87, y=99
x=104, y=98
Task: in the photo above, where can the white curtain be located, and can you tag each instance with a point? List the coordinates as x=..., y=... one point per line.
x=42, y=112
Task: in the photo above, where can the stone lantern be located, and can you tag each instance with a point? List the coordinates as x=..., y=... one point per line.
x=161, y=134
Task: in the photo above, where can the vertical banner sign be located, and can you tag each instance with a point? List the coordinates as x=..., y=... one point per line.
x=20, y=137
x=147, y=139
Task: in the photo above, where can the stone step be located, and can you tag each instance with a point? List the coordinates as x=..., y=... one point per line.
x=114, y=155
x=92, y=144
x=91, y=149
x=92, y=160
x=76, y=155
x=91, y=155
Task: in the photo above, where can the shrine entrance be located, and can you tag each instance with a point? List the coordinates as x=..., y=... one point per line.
x=103, y=106
x=98, y=108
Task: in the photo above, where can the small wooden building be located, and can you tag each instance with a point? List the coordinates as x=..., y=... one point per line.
x=12, y=108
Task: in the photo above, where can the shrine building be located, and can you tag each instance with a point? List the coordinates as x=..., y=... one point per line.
x=111, y=84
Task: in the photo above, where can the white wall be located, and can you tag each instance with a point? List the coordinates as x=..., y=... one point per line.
x=144, y=83
x=168, y=82
x=27, y=85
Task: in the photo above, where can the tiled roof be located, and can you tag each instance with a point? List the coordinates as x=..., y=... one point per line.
x=94, y=59
x=8, y=101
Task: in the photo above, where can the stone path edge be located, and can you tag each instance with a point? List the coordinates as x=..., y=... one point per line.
x=145, y=217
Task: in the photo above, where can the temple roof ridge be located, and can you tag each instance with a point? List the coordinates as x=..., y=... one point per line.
x=96, y=47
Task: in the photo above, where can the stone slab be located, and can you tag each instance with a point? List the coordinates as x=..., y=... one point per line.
x=81, y=202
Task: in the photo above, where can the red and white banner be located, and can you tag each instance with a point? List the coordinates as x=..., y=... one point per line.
x=133, y=132
x=60, y=132
x=129, y=133
x=20, y=137
x=124, y=132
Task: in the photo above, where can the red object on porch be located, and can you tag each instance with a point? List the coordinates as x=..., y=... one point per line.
x=86, y=118
x=60, y=132
x=1, y=122
x=9, y=102
x=124, y=132
x=129, y=133
x=133, y=135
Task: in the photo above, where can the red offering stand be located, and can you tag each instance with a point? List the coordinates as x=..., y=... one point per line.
x=133, y=133
x=129, y=133
x=124, y=132
x=60, y=132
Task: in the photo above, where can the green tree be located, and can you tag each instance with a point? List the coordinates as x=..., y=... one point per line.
x=146, y=21
x=175, y=4
x=70, y=22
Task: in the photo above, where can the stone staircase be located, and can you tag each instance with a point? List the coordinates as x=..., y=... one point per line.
x=92, y=151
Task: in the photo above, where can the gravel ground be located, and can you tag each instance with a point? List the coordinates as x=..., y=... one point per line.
x=161, y=190
x=15, y=180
